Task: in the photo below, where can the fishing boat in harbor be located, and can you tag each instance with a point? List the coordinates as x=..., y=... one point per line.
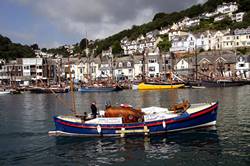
x=100, y=89
x=222, y=83
x=52, y=89
x=126, y=120
x=158, y=86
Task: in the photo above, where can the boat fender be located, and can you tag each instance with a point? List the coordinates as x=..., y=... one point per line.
x=130, y=117
x=164, y=124
x=99, y=129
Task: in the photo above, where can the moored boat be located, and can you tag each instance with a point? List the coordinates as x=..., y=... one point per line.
x=3, y=92
x=222, y=83
x=158, y=86
x=145, y=121
x=49, y=90
x=99, y=89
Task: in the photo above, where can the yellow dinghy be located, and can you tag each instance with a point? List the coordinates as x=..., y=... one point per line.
x=153, y=86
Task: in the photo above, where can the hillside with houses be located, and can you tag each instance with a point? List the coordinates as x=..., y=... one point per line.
x=213, y=44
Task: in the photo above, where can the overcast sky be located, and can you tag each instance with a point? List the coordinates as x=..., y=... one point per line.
x=51, y=23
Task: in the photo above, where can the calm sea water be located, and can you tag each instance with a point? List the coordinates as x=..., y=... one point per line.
x=26, y=119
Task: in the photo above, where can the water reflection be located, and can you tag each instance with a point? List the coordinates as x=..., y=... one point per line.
x=25, y=120
x=130, y=149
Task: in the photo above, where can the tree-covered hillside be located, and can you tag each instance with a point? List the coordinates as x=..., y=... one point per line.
x=9, y=50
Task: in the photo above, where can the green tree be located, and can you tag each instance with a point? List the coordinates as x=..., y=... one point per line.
x=164, y=45
x=35, y=46
x=116, y=48
x=84, y=43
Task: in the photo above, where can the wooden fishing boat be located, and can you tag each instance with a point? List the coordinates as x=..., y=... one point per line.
x=49, y=90
x=222, y=83
x=120, y=121
x=99, y=89
x=158, y=86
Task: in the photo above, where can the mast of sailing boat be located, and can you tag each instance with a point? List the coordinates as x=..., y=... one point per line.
x=143, y=66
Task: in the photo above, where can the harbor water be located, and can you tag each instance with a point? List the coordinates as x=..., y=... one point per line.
x=25, y=120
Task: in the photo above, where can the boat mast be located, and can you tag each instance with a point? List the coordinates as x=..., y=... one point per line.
x=196, y=64
x=143, y=66
x=73, y=109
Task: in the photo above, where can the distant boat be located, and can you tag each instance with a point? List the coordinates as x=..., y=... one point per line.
x=222, y=83
x=49, y=90
x=159, y=86
x=99, y=89
x=3, y=91
x=121, y=121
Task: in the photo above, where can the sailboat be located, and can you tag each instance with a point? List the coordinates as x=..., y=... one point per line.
x=170, y=84
x=95, y=87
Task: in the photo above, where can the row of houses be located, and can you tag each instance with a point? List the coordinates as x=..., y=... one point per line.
x=210, y=40
x=181, y=38
x=27, y=70
x=187, y=42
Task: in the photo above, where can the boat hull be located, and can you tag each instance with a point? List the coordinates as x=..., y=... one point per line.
x=211, y=83
x=148, y=86
x=49, y=90
x=99, y=89
x=201, y=118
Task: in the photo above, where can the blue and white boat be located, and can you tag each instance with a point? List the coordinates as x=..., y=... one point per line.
x=155, y=120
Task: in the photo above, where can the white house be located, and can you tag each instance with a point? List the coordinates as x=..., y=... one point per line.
x=33, y=67
x=184, y=44
x=182, y=65
x=243, y=66
x=189, y=22
x=153, y=66
x=164, y=31
x=226, y=8
x=219, y=18
x=138, y=65
x=124, y=68
x=179, y=44
x=172, y=34
x=242, y=37
x=239, y=16
x=228, y=41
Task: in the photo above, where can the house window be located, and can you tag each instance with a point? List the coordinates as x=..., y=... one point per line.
x=120, y=64
x=152, y=61
x=81, y=71
x=242, y=65
x=151, y=69
x=119, y=71
x=129, y=64
x=93, y=69
x=26, y=67
x=130, y=71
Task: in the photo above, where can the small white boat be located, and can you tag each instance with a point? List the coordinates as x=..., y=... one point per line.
x=3, y=92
